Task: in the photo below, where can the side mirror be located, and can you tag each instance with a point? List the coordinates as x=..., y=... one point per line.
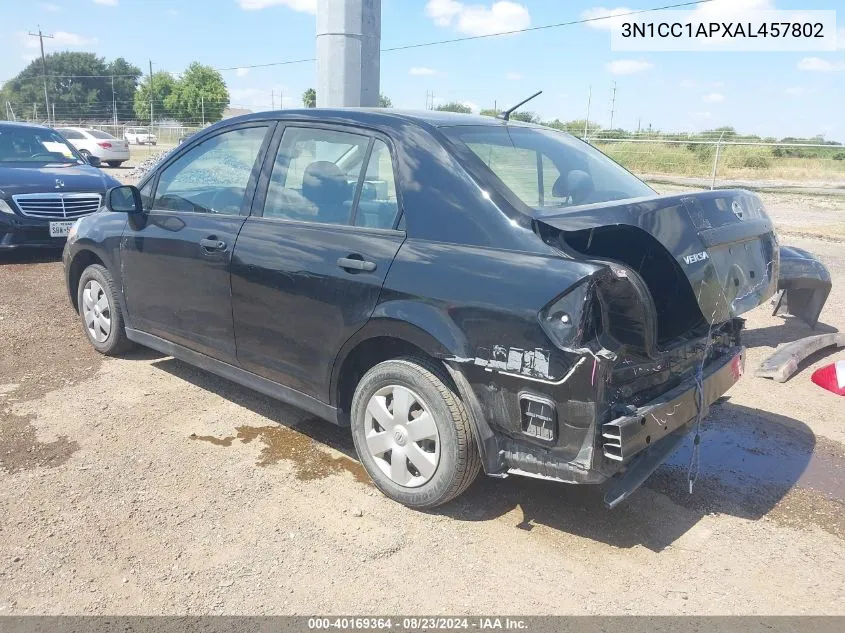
x=124, y=199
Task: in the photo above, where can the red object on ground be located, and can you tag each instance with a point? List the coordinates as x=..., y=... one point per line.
x=831, y=377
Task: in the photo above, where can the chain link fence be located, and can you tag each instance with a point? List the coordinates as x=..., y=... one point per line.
x=719, y=163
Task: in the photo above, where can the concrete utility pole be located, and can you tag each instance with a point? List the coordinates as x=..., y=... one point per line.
x=348, y=55
x=612, y=105
x=41, y=37
x=152, y=95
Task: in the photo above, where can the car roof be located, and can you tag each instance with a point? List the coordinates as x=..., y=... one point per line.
x=387, y=117
x=20, y=125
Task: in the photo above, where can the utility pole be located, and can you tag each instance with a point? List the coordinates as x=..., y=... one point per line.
x=612, y=105
x=202, y=105
x=272, y=99
x=41, y=37
x=587, y=120
x=152, y=96
x=113, y=105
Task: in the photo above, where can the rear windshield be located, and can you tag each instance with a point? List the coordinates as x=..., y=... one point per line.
x=99, y=134
x=548, y=169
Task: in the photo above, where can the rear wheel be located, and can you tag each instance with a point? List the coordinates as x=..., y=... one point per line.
x=115, y=163
x=413, y=433
x=99, y=310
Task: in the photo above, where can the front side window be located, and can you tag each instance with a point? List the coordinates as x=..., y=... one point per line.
x=211, y=177
x=315, y=175
x=548, y=169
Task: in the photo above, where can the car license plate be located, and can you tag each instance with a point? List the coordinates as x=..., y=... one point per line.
x=60, y=229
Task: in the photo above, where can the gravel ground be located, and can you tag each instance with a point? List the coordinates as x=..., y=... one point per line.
x=143, y=485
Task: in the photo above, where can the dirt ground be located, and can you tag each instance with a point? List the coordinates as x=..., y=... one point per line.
x=142, y=485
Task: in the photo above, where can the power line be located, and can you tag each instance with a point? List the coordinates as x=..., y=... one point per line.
x=489, y=35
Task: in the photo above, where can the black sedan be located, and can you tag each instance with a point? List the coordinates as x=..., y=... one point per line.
x=45, y=186
x=465, y=292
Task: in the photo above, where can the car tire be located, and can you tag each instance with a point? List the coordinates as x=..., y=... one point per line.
x=438, y=467
x=100, y=312
x=114, y=163
x=88, y=156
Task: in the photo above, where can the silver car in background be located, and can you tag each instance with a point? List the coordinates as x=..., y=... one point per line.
x=97, y=146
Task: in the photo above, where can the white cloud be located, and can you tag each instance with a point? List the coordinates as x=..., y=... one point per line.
x=60, y=39
x=714, y=97
x=601, y=12
x=795, y=91
x=688, y=84
x=472, y=106
x=421, y=71
x=50, y=7
x=242, y=72
x=703, y=115
x=628, y=66
x=305, y=6
x=109, y=3
x=818, y=64
x=477, y=19
x=513, y=76
x=840, y=38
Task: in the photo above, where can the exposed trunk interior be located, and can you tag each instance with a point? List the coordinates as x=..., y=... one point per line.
x=677, y=309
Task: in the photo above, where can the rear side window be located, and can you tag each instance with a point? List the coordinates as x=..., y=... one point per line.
x=377, y=206
x=315, y=175
x=99, y=134
x=72, y=134
x=547, y=169
x=211, y=177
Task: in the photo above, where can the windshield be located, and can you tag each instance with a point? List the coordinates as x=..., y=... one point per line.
x=547, y=169
x=34, y=145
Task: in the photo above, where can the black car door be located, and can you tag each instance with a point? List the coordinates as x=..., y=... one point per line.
x=310, y=261
x=176, y=256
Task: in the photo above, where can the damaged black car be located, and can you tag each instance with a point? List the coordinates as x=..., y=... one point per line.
x=466, y=293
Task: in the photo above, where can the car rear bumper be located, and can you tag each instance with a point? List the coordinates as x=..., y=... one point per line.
x=582, y=445
x=113, y=155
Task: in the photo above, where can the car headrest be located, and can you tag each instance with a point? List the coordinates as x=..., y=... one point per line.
x=575, y=183
x=324, y=183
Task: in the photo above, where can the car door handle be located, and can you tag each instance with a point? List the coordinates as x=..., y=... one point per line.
x=212, y=244
x=356, y=264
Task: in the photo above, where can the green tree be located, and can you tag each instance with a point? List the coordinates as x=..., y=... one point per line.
x=125, y=84
x=78, y=86
x=384, y=101
x=524, y=116
x=199, y=95
x=454, y=106
x=309, y=98
x=490, y=112
x=163, y=84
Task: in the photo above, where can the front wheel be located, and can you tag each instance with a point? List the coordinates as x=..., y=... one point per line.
x=413, y=434
x=99, y=310
x=115, y=163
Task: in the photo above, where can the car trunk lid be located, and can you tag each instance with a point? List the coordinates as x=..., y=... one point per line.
x=722, y=250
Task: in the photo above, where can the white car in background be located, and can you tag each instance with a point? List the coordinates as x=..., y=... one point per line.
x=97, y=146
x=139, y=136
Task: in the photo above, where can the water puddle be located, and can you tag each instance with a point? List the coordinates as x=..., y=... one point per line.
x=753, y=466
x=308, y=459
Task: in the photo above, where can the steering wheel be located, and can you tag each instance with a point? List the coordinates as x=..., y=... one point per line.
x=219, y=204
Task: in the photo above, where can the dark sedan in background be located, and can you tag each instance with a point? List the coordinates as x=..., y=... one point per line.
x=45, y=186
